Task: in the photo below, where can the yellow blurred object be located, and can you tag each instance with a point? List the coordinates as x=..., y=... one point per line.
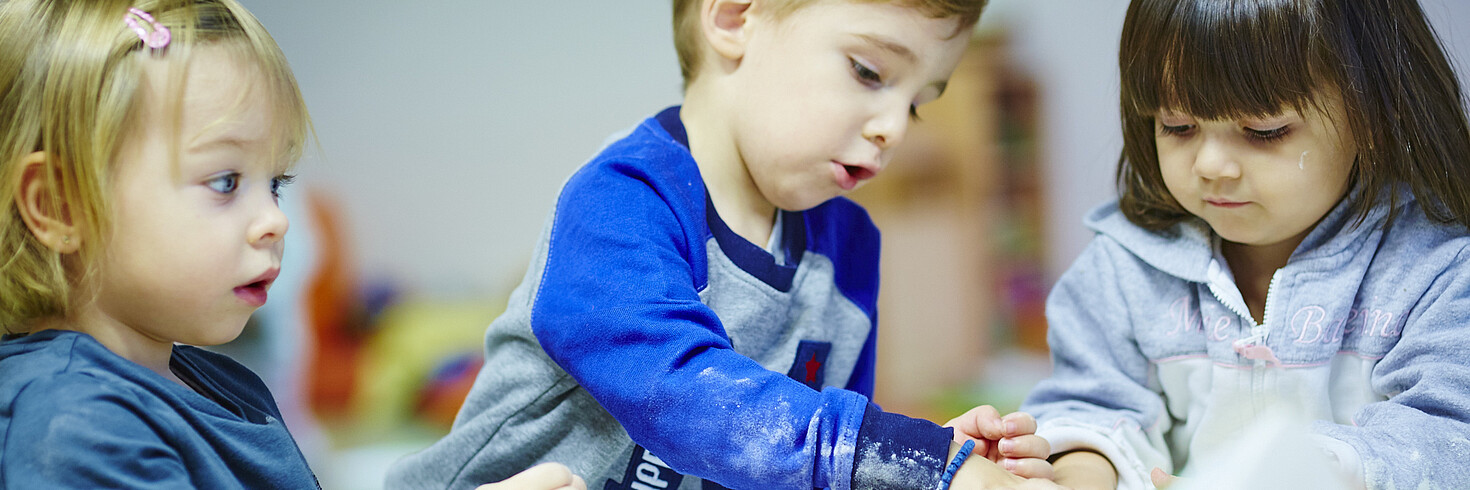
x=424, y=355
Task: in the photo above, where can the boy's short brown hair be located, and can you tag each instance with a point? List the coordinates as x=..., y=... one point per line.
x=686, y=21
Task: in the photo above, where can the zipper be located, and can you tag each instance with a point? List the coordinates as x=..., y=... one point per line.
x=1252, y=347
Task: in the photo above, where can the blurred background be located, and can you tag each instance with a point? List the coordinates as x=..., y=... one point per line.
x=446, y=127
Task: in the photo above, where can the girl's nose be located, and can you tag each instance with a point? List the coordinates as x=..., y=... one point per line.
x=1214, y=160
x=269, y=227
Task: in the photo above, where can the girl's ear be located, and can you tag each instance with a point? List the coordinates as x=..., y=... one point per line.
x=725, y=24
x=49, y=221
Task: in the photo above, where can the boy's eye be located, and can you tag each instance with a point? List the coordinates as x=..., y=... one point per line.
x=280, y=182
x=865, y=74
x=224, y=183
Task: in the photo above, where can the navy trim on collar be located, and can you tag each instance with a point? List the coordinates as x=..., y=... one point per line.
x=669, y=119
x=755, y=260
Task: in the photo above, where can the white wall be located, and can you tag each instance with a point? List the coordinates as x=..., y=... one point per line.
x=447, y=127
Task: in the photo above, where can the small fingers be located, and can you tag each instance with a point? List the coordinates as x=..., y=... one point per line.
x=1018, y=424
x=550, y=474
x=1036, y=484
x=545, y=476
x=1161, y=479
x=1027, y=446
x=1029, y=468
x=982, y=422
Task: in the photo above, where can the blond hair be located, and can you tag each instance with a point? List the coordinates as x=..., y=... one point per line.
x=686, y=21
x=70, y=79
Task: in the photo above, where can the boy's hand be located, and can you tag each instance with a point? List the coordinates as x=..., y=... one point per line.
x=1009, y=441
x=544, y=476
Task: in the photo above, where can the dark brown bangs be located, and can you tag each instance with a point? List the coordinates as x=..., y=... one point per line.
x=1227, y=59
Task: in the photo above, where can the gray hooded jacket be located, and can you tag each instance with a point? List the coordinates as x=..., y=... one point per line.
x=1366, y=338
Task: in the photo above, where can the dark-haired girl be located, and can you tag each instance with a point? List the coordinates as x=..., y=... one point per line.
x=1290, y=236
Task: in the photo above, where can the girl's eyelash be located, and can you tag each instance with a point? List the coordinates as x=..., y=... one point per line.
x=1257, y=135
x=1267, y=135
x=280, y=182
x=1179, y=130
x=914, y=113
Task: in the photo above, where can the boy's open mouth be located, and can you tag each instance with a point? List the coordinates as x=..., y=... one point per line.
x=859, y=173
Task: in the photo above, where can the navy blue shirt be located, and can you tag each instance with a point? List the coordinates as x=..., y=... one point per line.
x=75, y=415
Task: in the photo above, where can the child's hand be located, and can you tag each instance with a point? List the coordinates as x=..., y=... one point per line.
x=544, y=476
x=1161, y=479
x=979, y=473
x=1009, y=441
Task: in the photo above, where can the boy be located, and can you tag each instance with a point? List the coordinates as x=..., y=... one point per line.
x=701, y=282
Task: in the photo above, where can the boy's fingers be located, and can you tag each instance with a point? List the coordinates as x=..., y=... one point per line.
x=1027, y=446
x=982, y=422
x=552, y=474
x=987, y=418
x=548, y=476
x=1029, y=468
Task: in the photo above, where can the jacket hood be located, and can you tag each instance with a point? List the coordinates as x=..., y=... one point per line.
x=1185, y=249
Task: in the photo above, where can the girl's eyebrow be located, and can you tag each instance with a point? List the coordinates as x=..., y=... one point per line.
x=233, y=141
x=239, y=138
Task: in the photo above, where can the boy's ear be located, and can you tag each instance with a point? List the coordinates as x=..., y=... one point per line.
x=49, y=221
x=724, y=23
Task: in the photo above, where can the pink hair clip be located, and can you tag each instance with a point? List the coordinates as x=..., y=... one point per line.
x=156, y=39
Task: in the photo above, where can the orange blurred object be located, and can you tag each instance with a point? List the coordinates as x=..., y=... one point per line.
x=335, y=314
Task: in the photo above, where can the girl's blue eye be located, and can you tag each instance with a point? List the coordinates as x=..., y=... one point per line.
x=280, y=182
x=225, y=183
x=865, y=74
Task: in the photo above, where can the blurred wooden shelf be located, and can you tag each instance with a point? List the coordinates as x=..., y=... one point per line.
x=959, y=208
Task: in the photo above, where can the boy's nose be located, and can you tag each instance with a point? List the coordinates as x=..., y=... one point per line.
x=886, y=129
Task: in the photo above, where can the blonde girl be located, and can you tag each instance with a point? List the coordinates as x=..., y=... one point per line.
x=143, y=146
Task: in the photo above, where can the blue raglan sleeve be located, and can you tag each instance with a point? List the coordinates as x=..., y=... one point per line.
x=1420, y=436
x=1097, y=395
x=75, y=432
x=619, y=310
x=864, y=375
